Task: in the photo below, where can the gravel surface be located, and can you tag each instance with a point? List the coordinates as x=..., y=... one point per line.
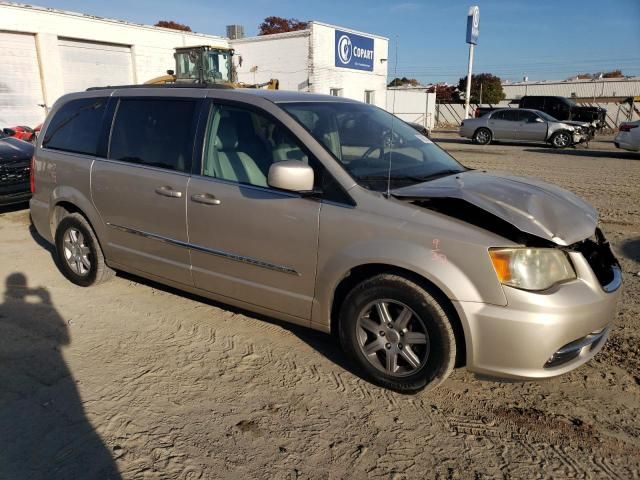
x=134, y=380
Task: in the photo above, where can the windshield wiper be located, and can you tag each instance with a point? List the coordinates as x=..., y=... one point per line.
x=433, y=176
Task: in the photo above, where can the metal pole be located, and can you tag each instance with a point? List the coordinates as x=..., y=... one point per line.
x=468, y=93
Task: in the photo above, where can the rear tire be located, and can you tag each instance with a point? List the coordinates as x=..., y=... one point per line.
x=78, y=253
x=482, y=136
x=397, y=333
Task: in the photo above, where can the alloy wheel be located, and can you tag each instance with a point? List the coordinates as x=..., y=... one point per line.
x=76, y=252
x=561, y=140
x=392, y=338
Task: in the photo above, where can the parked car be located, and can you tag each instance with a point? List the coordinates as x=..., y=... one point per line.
x=420, y=128
x=565, y=109
x=628, y=137
x=524, y=125
x=23, y=132
x=15, y=166
x=325, y=212
x=482, y=111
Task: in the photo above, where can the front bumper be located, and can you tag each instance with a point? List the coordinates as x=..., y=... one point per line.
x=539, y=335
x=623, y=140
x=12, y=194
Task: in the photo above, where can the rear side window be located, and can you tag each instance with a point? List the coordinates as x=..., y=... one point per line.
x=76, y=126
x=154, y=132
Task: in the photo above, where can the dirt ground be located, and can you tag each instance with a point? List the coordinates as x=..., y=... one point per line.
x=133, y=380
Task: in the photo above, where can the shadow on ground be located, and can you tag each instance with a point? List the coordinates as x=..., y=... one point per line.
x=45, y=432
x=14, y=208
x=630, y=249
x=585, y=152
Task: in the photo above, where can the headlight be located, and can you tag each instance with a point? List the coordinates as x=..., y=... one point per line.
x=531, y=268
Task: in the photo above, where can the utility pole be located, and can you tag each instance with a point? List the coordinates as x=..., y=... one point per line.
x=473, y=30
x=467, y=95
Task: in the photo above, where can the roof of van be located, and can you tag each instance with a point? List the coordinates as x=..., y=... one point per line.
x=275, y=96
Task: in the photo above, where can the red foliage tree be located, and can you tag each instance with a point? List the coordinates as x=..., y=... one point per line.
x=173, y=25
x=272, y=25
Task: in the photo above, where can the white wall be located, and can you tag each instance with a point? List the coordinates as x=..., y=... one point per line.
x=324, y=75
x=283, y=56
x=416, y=106
x=151, y=47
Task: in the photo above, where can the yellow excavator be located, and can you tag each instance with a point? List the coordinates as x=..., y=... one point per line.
x=206, y=65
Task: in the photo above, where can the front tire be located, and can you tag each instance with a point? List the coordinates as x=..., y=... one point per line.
x=482, y=136
x=78, y=253
x=561, y=139
x=397, y=333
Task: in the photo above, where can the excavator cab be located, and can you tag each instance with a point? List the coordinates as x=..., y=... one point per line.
x=209, y=66
x=204, y=65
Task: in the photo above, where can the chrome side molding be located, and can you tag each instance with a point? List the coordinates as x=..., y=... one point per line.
x=210, y=251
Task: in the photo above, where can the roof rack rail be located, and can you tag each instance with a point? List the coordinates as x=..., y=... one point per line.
x=168, y=85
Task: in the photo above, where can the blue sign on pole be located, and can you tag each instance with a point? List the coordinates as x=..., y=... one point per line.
x=354, y=51
x=473, y=25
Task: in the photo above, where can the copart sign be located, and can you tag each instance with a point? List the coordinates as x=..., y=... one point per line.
x=354, y=51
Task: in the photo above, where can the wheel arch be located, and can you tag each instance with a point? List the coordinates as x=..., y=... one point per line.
x=362, y=272
x=63, y=207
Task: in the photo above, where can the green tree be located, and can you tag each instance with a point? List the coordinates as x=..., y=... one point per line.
x=272, y=25
x=173, y=25
x=399, y=82
x=492, y=92
x=445, y=93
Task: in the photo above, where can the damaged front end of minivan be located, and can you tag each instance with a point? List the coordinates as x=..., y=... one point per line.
x=528, y=212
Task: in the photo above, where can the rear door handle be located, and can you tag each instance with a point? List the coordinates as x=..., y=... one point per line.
x=205, y=198
x=168, y=191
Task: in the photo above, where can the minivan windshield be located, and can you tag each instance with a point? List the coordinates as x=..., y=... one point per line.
x=377, y=149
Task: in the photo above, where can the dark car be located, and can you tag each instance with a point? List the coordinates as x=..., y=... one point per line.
x=563, y=108
x=15, y=167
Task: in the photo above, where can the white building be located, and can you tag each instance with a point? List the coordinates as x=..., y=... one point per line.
x=45, y=53
x=593, y=90
x=321, y=59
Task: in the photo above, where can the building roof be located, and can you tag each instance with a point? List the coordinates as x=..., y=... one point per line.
x=85, y=16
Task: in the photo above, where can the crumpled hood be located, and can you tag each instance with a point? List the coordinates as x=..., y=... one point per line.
x=531, y=206
x=574, y=123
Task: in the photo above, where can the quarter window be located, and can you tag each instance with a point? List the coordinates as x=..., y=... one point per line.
x=154, y=132
x=241, y=145
x=76, y=126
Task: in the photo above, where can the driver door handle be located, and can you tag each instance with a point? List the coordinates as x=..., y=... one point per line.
x=168, y=191
x=205, y=198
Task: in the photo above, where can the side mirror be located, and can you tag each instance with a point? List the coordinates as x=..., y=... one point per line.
x=291, y=175
x=170, y=72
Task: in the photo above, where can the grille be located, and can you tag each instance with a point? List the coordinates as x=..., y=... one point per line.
x=599, y=256
x=14, y=172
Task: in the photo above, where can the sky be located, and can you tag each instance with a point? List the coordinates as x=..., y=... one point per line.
x=539, y=39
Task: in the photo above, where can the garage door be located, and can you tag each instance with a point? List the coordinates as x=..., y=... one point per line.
x=91, y=64
x=20, y=87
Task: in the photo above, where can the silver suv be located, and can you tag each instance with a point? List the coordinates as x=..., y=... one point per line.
x=327, y=213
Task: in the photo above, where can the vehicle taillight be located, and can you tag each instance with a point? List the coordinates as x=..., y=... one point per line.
x=32, y=175
x=626, y=127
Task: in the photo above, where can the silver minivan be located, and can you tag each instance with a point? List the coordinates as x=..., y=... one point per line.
x=332, y=214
